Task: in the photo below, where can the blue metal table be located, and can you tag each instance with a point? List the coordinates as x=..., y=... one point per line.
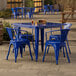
x=41, y=27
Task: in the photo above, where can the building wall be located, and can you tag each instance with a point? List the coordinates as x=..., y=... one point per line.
x=14, y=3
x=19, y=3
x=38, y=4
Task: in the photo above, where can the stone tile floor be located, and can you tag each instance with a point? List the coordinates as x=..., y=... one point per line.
x=26, y=67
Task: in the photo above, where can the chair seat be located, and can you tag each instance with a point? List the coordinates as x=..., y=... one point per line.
x=55, y=42
x=22, y=41
x=56, y=37
x=24, y=36
x=52, y=41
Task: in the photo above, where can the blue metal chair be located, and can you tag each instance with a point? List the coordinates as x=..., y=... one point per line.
x=25, y=12
x=13, y=12
x=46, y=9
x=24, y=36
x=57, y=44
x=17, y=43
x=51, y=9
x=57, y=37
x=18, y=11
x=30, y=12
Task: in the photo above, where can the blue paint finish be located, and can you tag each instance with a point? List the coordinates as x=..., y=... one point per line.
x=36, y=42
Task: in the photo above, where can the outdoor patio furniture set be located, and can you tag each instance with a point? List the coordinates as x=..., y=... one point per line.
x=58, y=42
x=23, y=11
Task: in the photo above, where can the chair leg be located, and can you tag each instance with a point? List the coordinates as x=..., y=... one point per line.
x=63, y=52
x=24, y=47
x=57, y=11
x=32, y=15
x=68, y=47
x=33, y=46
x=60, y=49
x=53, y=12
x=48, y=50
x=33, y=42
x=8, y=52
x=30, y=51
x=25, y=16
x=15, y=54
x=22, y=16
x=13, y=50
x=21, y=51
x=44, y=53
x=56, y=52
x=29, y=16
x=44, y=12
x=67, y=54
x=14, y=16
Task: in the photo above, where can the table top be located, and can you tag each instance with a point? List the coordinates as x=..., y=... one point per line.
x=47, y=25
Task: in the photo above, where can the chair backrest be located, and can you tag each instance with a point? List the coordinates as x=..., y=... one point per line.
x=67, y=25
x=32, y=10
x=45, y=7
x=15, y=9
x=51, y=7
x=10, y=32
x=25, y=10
x=18, y=9
x=64, y=33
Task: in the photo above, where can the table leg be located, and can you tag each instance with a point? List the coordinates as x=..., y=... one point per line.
x=42, y=39
x=36, y=42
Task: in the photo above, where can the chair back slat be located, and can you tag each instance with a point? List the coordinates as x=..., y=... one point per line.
x=51, y=7
x=10, y=32
x=13, y=10
x=64, y=33
x=45, y=7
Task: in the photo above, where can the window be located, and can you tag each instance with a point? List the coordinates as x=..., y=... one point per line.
x=14, y=3
x=38, y=4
